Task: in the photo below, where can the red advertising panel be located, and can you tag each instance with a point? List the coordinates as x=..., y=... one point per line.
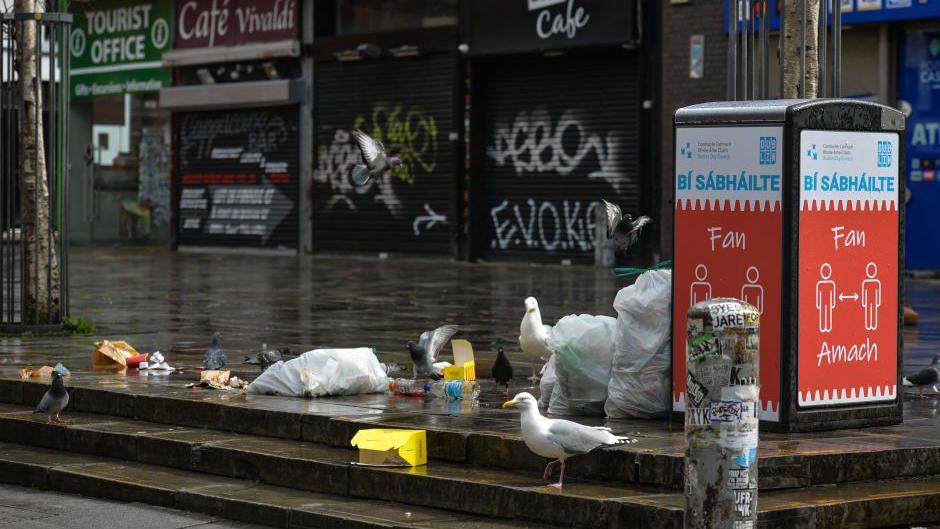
x=210, y=23
x=848, y=254
x=728, y=238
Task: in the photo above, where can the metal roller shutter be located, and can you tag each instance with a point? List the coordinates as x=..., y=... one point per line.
x=237, y=178
x=409, y=104
x=560, y=133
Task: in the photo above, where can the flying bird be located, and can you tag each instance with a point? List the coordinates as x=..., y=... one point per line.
x=502, y=369
x=927, y=377
x=534, y=337
x=559, y=439
x=623, y=229
x=374, y=156
x=55, y=400
x=215, y=355
x=424, y=353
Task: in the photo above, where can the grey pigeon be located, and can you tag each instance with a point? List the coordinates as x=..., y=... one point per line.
x=374, y=156
x=927, y=377
x=215, y=355
x=55, y=400
x=502, y=369
x=424, y=353
x=623, y=229
x=266, y=358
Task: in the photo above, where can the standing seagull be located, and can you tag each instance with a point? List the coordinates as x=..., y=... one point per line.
x=424, y=353
x=502, y=369
x=559, y=439
x=622, y=228
x=374, y=156
x=533, y=336
x=55, y=400
x=927, y=377
x=215, y=355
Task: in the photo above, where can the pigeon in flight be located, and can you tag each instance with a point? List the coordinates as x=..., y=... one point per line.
x=927, y=377
x=424, y=353
x=55, y=400
x=559, y=439
x=502, y=369
x=215, y=355
x=374, y=156
x=623, y=229
x=533, y=336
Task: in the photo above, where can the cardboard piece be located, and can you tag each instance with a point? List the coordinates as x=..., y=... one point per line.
x=391, y=448
x=464, y=367
x=112, y=355
x=220, y=378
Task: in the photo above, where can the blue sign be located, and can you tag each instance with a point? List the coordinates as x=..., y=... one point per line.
x=856, y=11
x=919, y=91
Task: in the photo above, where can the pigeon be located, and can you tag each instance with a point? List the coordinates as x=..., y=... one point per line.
x=215, y=355
x=55, y=400
x=559, y=439
x=373, y=154
x=623, y=229
x=424, y=353
x=502, y=369
x=534, y=338
x=927, y=377
x=266, y=358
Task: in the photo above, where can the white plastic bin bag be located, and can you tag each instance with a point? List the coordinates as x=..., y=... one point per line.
x=584, y=349
x=323, y=372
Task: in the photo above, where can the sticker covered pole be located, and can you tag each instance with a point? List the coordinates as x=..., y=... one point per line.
x=721, y=417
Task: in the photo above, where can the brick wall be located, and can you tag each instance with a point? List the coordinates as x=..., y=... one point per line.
x=679, y=23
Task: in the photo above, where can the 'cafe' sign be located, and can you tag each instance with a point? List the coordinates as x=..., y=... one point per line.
x=210, y=23
x=506, y=26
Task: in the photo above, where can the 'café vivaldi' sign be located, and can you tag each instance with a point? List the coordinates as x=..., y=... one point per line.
x=210, y=23
x=506, y=26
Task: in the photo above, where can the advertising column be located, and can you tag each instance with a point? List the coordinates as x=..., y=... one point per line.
x=728, y=243
x=848, y=272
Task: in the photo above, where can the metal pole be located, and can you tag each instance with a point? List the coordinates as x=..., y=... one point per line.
x=37, y=94
x=803, y=50
x=733, y=52
x=721, y=415
x=65, y=67
x=821, y=48
x=764, y=50
x=781, y=51
x=745, y=52
x=837, y=49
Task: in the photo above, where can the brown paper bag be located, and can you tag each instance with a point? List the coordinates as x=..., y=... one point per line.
x=112, y=354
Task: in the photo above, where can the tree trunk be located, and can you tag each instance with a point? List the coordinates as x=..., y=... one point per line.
x=42, y=267
x=793, y=27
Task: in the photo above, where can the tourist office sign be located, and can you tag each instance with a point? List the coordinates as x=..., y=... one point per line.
x=116, y=47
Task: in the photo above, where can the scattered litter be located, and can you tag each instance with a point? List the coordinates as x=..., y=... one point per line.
x=237, y=383
x=464, y=367
x=323, y=372
x=135, y=360
x=61, y=369
x=212, y=379
x=391, y=448
x=40, y=372
x=157, y=364
x=450, y=389
x=112, y=355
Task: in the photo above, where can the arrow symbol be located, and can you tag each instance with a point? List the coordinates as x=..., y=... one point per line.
x=431, y=218
x=853, y=297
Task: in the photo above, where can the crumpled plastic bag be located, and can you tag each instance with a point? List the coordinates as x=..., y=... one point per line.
x=641, y=376
x=547, y=382
x=584, y=349
x=323, y=372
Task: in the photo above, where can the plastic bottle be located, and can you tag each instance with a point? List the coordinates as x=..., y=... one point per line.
x=456, y=389
x=406, y=386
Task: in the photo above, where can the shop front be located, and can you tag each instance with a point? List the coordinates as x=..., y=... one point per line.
x=557, y=124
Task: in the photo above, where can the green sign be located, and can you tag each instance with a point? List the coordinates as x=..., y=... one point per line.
x=116, y=47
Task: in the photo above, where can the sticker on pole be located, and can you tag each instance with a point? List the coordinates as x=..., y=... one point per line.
x=848, y=274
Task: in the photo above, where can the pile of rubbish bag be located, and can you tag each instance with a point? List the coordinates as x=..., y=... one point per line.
x=323, y=372
x=619, y=367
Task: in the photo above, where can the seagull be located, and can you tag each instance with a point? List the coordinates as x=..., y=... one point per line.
x=533, y=336
x=623, y=229
x=502, y=369
x=373, y=154
x=215, y=355
x=55, y=400
x=559, y=439
x=927, y=377
x=424, y=353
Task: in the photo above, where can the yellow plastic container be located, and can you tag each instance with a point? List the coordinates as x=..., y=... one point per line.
x=391, y=448
x=464, y=367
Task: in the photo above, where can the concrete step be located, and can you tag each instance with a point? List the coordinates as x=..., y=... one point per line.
x=324, y=469
x=489, y=438
x=235, y=499
x=870, y=505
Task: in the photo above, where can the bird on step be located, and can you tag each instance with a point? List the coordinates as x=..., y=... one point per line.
x=559, y=439
x=502, y=369
x=534, y=337
x=55, y=399
x=928, y=377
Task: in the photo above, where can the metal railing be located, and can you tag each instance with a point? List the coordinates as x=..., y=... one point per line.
x=34, y=258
